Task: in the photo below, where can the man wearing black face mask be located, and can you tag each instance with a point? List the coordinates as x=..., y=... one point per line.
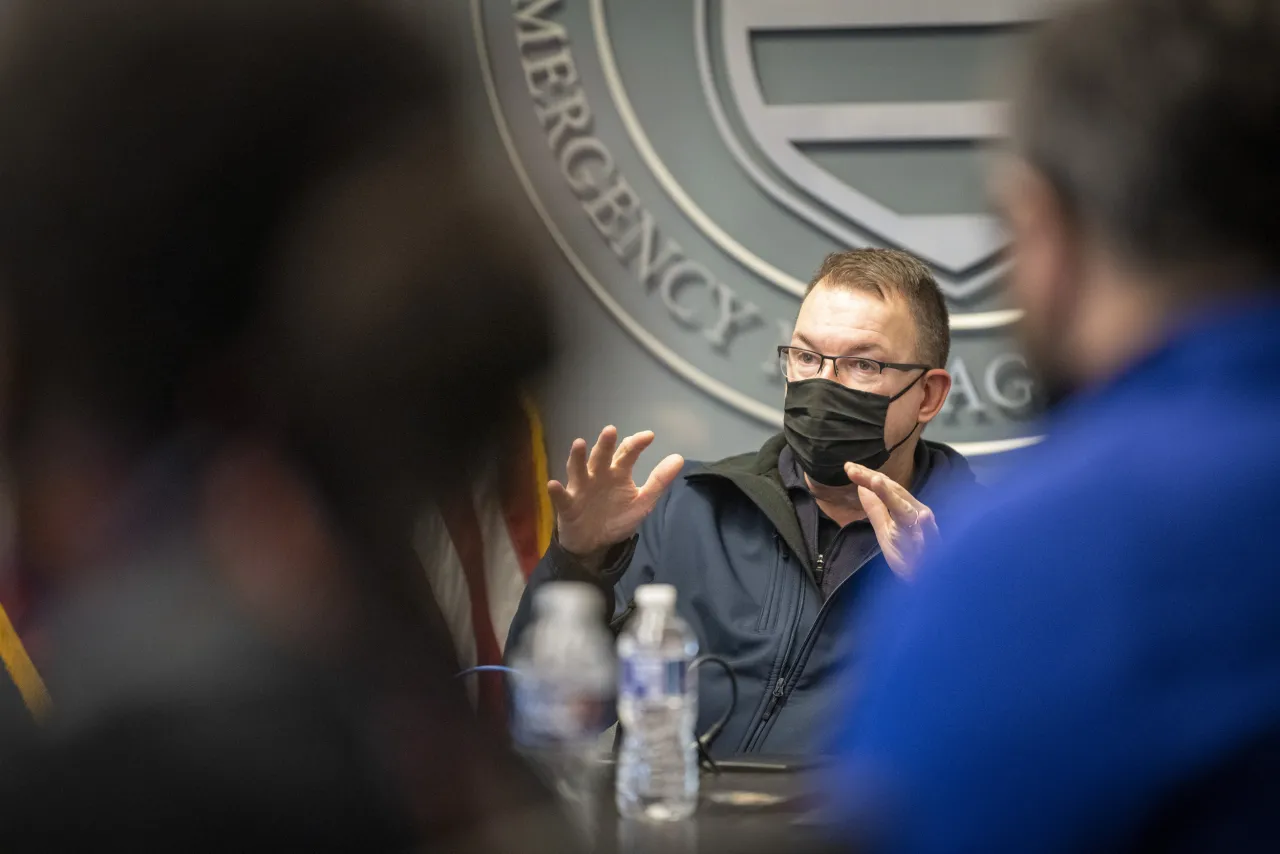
x=773, y=551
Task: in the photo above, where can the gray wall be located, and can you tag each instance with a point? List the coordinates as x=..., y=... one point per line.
x=750, y=204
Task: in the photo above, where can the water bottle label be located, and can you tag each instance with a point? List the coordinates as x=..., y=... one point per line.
x=646, y=678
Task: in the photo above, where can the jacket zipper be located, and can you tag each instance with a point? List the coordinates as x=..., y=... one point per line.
x=779, y=692
x=776, y=698
x=801, y=658
x=780, y=688
x=820, y=569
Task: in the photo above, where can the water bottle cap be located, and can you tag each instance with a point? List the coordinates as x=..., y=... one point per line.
x=656, y=596
x=575, y=597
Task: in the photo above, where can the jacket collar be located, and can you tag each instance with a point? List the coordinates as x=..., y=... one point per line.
x=756, y=475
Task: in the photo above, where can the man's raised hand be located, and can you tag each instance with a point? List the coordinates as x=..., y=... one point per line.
x=904, y=526
x=601, y=505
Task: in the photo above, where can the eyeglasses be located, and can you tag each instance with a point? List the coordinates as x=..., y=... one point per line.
x=799, y=364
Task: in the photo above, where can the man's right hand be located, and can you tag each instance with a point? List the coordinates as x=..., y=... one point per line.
x=601, y=505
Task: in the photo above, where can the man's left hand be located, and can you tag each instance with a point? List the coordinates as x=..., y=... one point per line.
x=905, y=528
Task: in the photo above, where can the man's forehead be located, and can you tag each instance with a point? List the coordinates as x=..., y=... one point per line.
x=851, y=321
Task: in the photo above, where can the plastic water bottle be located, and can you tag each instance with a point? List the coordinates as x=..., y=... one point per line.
x=564, y=692
x=658, y=709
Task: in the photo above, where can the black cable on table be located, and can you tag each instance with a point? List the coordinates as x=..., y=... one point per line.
x=705, y=741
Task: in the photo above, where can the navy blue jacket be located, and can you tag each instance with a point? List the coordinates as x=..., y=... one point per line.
x=726, y=535
x=1093, y=661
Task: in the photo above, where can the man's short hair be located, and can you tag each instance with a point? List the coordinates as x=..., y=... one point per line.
x=1158, y=123
x=889, y=272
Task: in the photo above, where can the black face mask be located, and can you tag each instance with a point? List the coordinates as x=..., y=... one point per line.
x=828, y=424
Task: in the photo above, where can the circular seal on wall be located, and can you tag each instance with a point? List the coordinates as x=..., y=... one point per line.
x=695, y=160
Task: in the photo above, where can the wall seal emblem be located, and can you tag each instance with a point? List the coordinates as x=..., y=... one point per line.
x=694, y=160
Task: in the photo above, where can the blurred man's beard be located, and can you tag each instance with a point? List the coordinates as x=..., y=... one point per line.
x=1053, y=382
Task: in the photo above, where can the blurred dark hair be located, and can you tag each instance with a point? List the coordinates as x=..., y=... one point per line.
x=229, y=217
x=1158, y=122
x=158, y=158
x=253, y=219
x=891, y=271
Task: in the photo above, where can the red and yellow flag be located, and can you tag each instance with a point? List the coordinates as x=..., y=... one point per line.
x=479, y=564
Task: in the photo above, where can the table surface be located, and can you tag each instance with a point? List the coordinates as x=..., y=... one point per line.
x=739, y=812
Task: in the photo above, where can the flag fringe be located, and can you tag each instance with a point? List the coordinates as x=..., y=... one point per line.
x=538, y=454
x=21, y=670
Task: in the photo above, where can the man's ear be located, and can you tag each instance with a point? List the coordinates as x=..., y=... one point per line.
x=1045, y=245
x=937, y=385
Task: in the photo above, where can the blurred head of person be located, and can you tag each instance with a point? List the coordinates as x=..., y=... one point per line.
x=249, y=225
x=254, y=303
x=1143, y=184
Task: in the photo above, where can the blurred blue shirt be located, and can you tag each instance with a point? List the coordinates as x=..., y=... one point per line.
x=1104, y=630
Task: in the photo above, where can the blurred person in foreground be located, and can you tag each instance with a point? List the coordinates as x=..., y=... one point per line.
x=774, y=552
x=1092, y=662
x=244, y=290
